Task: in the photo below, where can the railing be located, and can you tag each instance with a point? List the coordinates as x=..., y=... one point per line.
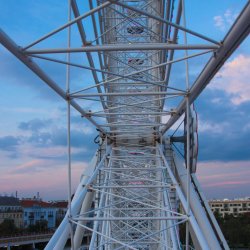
x=28, y=238
x=22, y=239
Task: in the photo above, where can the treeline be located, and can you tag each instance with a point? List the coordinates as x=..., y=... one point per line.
x=235, y=229
x=8, y=228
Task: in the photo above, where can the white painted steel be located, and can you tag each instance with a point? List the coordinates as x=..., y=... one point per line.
x=80, y=231
x=136, y=186
x=61, y=235
x=195, y=205
x=123, y=47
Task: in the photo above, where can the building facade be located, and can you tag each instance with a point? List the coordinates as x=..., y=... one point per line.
x=10, y=209
x=35, y=211
x=230, y=207
x=61, y=208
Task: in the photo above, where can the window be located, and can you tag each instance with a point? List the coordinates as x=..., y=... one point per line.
x=50, y=214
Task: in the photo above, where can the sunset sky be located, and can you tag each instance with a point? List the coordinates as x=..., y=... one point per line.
x=33, y=118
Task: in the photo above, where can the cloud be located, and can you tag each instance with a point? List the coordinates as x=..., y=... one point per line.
x=227, y=183
x=212, y=127
x=219, y=22
x=58, y=137
x=51, y=144
x=222, y=179
x=215, y=170
x=234, y=79
x=228, y=145
x=52, y=132
x=29, y=167
x=25, y=110
x=58, y=153
x=222, y=127
x=34, y=125
x=47, y=139
x=9, y=143
x=52, y=173
x=223, y=22
x=14, y=73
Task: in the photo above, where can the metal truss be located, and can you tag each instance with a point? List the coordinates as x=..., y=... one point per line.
x=143, y=194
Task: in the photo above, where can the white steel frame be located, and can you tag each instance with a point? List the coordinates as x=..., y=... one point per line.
x=142, y=192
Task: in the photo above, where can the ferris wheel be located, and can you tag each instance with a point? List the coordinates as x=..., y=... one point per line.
x=137, y=192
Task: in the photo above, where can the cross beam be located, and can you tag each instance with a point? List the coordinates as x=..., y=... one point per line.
x=124, y=47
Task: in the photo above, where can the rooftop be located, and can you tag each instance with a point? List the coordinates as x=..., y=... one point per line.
x=33, y=203
x=59, y=204
x=247, y=199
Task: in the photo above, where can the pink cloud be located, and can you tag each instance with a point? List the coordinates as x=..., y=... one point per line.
x=234, y=79
x=28, y=165
x=224, y=175
x=56, y=151
x=226, y=184
x=51, y=182
x=224, y=179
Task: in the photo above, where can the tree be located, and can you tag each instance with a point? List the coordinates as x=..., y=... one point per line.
x=235, y=229
x=7, y=227
x=40, y=226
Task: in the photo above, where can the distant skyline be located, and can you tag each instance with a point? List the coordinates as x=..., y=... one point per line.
x=33, y=119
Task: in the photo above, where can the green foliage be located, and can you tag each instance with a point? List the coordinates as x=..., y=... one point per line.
x=7, y=227
x=40, y=226
x=235, y=229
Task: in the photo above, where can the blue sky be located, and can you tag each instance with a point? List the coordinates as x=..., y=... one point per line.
x=33, y=118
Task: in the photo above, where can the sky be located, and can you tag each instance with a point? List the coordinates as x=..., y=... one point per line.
x=33, y=118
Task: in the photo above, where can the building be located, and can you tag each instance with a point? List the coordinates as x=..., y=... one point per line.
x=35, y=210
x=230, y=207
x=61, y=208
x=10, y=209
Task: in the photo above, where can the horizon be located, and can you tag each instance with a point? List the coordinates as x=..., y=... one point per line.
x=58, y=200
